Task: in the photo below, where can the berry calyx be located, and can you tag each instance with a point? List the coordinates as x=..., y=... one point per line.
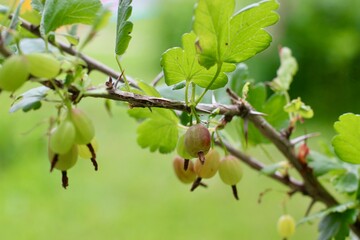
x=14, y=73
x=286, y=226
x=85, y=131
x=62, y=137
x=185, y=176
x=231, y=172
x=197, y=141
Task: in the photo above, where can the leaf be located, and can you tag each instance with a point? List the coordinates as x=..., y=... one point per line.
x=123, y=27
x=336, y=209
x=286, y=71
x=299, y=108
x=347, y=182
x=159, y=131
x=38, y=5
x=13, y=24
x=57, y=13
x=238, y=78
x=346, y=144
x=336, y=225
x=272, y=168
x=321, y=164
x=148, y=89
x=228, y=38
x=30, y=99
x=273, y=108
x=211, y=25
x=182, y=65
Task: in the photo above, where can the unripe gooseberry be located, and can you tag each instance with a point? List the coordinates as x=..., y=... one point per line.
x=286, y=226
x=85, y=131
x=210, y=166
x=180, y=148
x=14, y=73
x=230, y=170
x=43, y=65
x=185, y=176
x=63, y=137
x=197, y=141
x=65, y=161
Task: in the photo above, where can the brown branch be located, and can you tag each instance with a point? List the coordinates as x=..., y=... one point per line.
x=91, y=63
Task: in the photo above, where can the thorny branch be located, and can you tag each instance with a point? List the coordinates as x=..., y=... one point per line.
x=240, y=108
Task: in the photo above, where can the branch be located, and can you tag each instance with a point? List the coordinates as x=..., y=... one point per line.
x=91, y=63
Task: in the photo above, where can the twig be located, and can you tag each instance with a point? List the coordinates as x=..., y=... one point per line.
x=303, y=137
x=157, y=79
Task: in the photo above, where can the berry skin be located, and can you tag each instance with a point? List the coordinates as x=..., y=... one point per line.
x=185, y=176
x=231, y=172
x=180, y=148
x=197, y=141
x=43, y=65
x=65, y=161
x=85, y=131
x=63, y=137
x=211, y=165
x=14, y=73
x=286, y=226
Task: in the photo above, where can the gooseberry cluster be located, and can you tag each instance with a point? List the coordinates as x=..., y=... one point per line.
x=196, y=143
x=73, y=136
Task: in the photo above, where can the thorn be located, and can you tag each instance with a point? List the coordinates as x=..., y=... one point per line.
x=54, y=161
x=195, y=184
x=65, y=179
x=252, y=112
x=186, y=164
x=201, y=157
x=93, y=156
x=234, y=190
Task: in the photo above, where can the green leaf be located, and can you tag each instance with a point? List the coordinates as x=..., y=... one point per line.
x=273, y=108
x=346, y=144
x=238, y=78
x=159, y=131
x=182, y=65
x=57, y=13
x=13, y=24
x=336, y=209
x=336, y=225
x=38, y=5
x=299, y=108
x=322, y=164
x=211, y=25
x=148, y=89
x=232, y=39
x=347, y=183
x=123, y=27
x=30, y=99
x=286, y=71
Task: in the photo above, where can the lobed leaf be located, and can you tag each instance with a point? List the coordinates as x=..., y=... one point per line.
x=159, y=131
x=182, y=65
x=346, y=144
x=57, y=13
x=232, y=39
x=123, y=27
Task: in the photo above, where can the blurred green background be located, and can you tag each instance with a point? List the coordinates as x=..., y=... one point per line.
x=135, y=194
